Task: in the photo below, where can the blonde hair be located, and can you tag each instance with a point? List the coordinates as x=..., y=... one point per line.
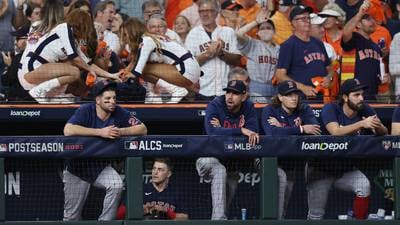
x=335, y=7
x=135, y=29
x=52, y=14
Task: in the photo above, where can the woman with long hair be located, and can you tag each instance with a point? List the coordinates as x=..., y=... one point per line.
x=174, y=63
x=51, y=59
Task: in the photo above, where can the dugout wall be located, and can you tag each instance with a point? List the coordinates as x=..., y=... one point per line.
x=268, y=194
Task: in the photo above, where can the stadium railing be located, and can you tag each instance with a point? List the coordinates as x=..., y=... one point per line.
x=135, y=149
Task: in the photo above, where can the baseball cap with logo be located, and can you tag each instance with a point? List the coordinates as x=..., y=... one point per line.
x=236, y=86
x=351, y=85
x=101, y=86
x=286, y=87
x=289, y=2
x=299, y=9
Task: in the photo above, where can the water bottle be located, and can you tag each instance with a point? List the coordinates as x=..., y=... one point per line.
x=244, y=212
x=381, y=214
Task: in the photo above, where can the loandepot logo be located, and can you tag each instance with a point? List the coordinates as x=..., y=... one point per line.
x=25, y=113
x=323, y=146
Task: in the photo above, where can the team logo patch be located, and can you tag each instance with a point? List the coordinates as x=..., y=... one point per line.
x=133, y=121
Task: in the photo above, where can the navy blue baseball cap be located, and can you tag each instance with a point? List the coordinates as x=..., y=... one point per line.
x=288, y=86
x=351, y=85
x=101, y=86
x=236, y=86
x=299, y=9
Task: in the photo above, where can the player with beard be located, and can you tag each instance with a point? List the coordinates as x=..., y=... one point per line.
x=229, y=115
x=350, y=116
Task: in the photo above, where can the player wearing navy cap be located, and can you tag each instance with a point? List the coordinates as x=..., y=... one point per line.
x=287, y=115
x=161, y=199
x=100, y=119
x=350, y=116
x=303, y=57
x=229, y=115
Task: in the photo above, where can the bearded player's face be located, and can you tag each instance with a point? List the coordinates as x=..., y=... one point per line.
x=160, y=173
x=355, y=100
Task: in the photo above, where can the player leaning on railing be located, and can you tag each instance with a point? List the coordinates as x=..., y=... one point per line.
x=229, y=115
x=287, y=115
x=100, y=119
x=350, y=116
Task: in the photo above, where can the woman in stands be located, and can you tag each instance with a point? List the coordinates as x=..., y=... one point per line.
x=175, y=64
x=51, y=59
x=182, y=27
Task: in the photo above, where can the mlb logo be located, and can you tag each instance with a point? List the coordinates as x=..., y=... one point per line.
x=3, y=148
x=132, y=145
x=229, y=146
x=386, y=145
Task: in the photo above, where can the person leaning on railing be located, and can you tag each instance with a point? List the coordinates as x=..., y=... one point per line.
x=287, y=115
x=350, y=116
x=102, y=119
x=229, y=115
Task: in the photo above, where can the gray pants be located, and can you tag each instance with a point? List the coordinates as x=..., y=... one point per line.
x=76, y=191
x=318, y=189
x=211, y=168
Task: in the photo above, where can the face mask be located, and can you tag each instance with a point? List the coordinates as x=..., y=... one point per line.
x=283, y=8
x=265, y=35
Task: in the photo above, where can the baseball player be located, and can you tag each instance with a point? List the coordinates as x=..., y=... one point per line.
x=230, y=115
x=159, y=49
x=262, y=56
x=287, y=115
x=303, y=57
x=350, y=116
x=100, y=119
x=48, y=44
x=215, y=48
x=161, y=199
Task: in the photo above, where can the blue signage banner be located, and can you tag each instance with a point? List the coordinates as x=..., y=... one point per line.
x=196, y=146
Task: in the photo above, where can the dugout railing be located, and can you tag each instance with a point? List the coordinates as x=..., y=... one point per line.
x=270, y=149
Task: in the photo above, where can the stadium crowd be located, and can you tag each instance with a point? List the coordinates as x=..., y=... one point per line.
x=159, y=53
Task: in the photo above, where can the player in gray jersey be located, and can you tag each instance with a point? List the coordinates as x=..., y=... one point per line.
x=262, y=56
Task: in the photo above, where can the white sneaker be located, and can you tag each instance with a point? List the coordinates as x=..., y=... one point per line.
x=39, y=94
x=177, y=95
